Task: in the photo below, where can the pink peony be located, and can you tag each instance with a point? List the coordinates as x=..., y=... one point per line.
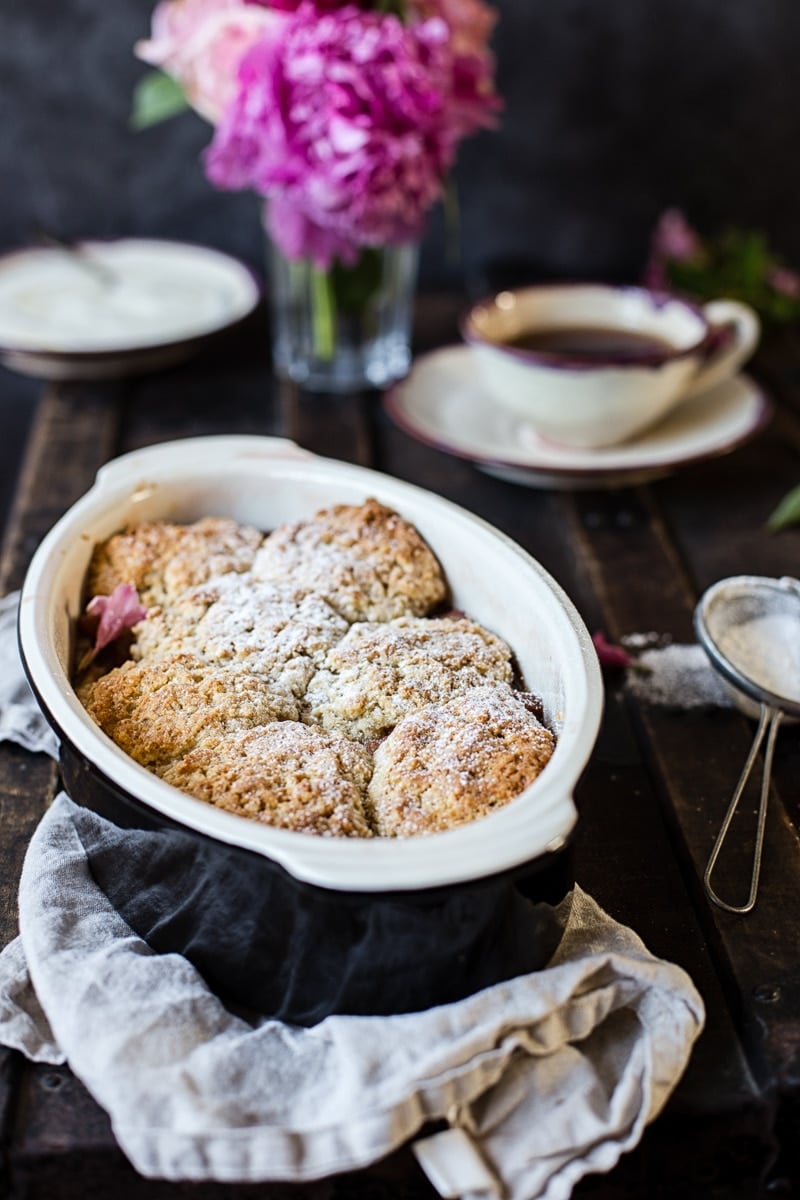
x=470, y=22
x=201, y=42
x=474, y=102
x=292, y=5
x=784, y=281
x=347, y=122
x=674, y=237
x=673, y=240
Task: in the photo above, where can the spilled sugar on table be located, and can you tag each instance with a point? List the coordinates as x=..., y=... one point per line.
x=650, y=801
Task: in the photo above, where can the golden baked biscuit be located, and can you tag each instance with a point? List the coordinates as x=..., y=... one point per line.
x=162, y=560
x=452, y=763
x=235, y=620
x=284, y=774
x=365, y=560
x=380, y=672
x=159, y=709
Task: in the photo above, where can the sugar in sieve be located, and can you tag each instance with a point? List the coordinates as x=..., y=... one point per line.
x=749, y=625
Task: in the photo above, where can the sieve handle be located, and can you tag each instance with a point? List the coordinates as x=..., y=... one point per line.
x=769, y=718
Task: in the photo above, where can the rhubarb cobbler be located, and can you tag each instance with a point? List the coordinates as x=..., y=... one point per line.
x=312, y=678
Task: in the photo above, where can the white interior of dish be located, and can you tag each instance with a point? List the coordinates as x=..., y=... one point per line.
x=491, y=578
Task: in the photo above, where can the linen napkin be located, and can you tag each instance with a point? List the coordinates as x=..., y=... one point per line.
x=20, y=718
x=541, y=1079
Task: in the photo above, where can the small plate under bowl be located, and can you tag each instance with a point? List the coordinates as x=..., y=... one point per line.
x=102, y=310
x=442, y=403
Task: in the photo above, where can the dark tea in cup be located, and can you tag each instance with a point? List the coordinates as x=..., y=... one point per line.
x=591, y=365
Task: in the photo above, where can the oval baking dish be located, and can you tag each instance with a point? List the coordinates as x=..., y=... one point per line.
x=288, y=923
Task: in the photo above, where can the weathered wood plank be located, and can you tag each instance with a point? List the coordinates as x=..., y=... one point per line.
x=698, y=757
x=331, y=426
x=777, y=365
x=10, y=1066
x=19, y=399
x=73, y=435
x=27, y=783
x=717, y=514
x=217, y=393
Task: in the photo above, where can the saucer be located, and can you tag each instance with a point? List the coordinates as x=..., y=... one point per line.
x=442, y=403
x=99, y=310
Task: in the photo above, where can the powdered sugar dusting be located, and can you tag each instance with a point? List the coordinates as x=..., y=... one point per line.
x=767, y=650
x=283, y=774
x=366, y=561
x=449, y=763
x=380, y=672
x=677, y=676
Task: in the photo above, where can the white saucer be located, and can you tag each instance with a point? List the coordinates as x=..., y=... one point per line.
x=104, y=309
x=441, y=403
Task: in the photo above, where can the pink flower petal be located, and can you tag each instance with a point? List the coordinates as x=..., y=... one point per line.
x=610, y=656
x=117, y=612
x=674, y=237
x=201, y=42
x=785, y=281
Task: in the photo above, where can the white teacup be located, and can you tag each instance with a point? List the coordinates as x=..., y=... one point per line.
x=592, y=365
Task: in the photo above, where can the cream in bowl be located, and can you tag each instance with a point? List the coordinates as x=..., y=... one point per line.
x=591, y=365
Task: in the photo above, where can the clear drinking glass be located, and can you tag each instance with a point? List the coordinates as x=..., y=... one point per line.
x=346, y=328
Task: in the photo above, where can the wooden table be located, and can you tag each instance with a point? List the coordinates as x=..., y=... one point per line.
x=651, y=799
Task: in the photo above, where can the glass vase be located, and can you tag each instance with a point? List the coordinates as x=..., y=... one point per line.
x=345, y=328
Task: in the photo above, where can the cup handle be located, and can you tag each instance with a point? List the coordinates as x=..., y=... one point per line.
x=740, y=330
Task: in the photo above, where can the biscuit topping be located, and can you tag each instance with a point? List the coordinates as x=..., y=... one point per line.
x=299, y=681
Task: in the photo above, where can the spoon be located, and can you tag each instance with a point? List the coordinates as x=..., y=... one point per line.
x=101, y=273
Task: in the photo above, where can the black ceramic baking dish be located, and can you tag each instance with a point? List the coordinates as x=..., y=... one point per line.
x=289, y=924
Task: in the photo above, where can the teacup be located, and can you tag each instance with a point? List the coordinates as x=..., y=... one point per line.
x=591, y=365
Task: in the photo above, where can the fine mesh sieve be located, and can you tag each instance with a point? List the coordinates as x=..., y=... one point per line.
x=749, y=626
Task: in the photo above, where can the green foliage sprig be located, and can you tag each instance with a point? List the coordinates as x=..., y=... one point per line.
x=738, y=264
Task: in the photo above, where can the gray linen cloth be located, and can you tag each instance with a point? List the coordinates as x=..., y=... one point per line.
x=541, y=1079
x=20, y=718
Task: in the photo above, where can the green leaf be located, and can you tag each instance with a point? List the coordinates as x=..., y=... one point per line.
x=787, y=513
x=156, y=97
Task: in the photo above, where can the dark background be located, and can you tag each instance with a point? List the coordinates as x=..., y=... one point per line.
x=613, y=111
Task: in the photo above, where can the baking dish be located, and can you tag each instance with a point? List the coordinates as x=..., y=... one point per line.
x=291, y=924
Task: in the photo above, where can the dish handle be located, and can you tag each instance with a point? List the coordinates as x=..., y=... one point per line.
x=167, y=459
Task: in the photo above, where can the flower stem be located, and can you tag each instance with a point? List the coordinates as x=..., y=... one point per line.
x=323, y=314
